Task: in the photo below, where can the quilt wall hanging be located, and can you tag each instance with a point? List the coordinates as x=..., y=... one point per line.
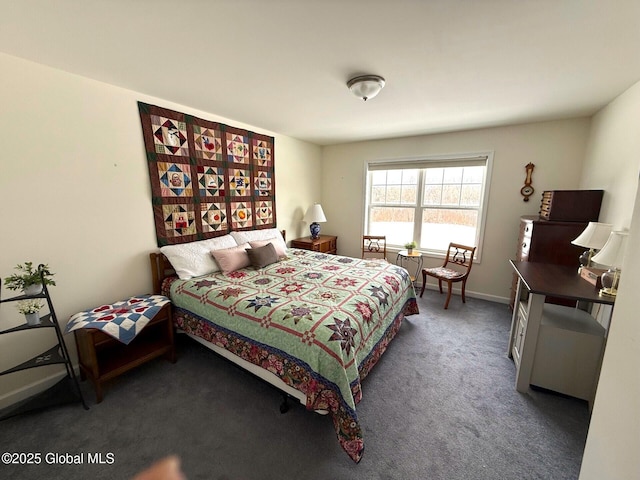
x=207, y=178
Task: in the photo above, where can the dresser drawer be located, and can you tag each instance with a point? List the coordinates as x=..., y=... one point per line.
x=329, y=247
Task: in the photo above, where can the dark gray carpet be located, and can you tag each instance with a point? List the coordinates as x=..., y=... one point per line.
x=441, y=404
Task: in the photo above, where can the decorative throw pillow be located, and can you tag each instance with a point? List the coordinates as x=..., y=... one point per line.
x=194, y=258
x=232, y=259
x=262, y=256
x=281, y=252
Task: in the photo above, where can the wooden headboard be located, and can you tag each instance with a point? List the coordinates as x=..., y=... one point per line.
x=161, y=268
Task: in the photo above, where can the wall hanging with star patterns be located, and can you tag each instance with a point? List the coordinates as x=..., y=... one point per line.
x=207, y=178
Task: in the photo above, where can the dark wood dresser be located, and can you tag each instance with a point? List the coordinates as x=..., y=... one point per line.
x=546, y=238
x=544, y=241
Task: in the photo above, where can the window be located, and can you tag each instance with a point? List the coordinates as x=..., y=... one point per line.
x=431, y=201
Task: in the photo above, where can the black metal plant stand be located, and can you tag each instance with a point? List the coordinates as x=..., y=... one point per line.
x=67, y=389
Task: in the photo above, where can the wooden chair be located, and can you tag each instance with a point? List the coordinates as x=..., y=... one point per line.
x=461, y=258
x=374, y=246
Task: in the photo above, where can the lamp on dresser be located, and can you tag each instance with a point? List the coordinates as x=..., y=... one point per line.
x=611, y=256
x=593, y=237
x=315, y=215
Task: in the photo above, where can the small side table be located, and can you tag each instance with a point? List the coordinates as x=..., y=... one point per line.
x=322, y=244
x=405, y=259
x=102, y=357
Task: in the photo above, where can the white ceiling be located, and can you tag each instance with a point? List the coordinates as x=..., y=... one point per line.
x=282, y=65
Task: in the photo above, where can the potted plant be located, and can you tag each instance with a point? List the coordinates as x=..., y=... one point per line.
x=410, y=246
x=30, y=308
x=29, y=279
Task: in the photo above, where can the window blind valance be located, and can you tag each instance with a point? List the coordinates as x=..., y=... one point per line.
x=476, y=161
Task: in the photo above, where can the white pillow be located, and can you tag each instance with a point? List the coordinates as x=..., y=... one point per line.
x=272, y=234
x=194, y=259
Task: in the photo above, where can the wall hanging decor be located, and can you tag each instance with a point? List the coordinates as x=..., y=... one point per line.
x=207, y=178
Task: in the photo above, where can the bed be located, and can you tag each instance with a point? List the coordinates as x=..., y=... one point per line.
x=311, y=324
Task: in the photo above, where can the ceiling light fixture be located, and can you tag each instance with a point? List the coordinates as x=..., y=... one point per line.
x=366, y=86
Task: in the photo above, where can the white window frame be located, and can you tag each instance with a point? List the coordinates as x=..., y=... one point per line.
x=432, y=161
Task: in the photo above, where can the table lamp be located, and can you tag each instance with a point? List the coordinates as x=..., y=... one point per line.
x=593, y=237
x=611, y=256
x=315, y=215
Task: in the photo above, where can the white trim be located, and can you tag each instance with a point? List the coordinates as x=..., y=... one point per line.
x=33, y=388
x=485, y=205
x=457, y=291
x=486, y=185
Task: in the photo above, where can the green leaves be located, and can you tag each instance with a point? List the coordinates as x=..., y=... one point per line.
x=29, y=276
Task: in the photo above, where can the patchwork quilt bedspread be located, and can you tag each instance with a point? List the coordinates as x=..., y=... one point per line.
x=319, y=322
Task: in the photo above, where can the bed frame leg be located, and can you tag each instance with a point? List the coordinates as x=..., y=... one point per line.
x=284, y=406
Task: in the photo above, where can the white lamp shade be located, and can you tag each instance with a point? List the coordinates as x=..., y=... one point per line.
x=594, y=236
x=315, y=214
x=612, y=253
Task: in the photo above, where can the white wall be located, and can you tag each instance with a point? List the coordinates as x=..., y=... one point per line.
x=555, y=148
x=613, y=157
x=613, y=162
x=74, y=190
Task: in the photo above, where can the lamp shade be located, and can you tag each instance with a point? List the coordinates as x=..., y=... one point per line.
x=366, y=86
x=612, y=253
x=594, y=236
x=315, y=214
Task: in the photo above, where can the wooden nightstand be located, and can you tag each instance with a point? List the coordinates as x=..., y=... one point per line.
x=323, y=244
x=102, y=357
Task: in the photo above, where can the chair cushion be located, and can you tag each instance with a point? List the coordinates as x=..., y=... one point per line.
x=373, y=259
x=445, y=273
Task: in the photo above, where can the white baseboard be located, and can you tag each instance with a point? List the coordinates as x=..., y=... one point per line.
x=34, y=388
x=468, y=293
